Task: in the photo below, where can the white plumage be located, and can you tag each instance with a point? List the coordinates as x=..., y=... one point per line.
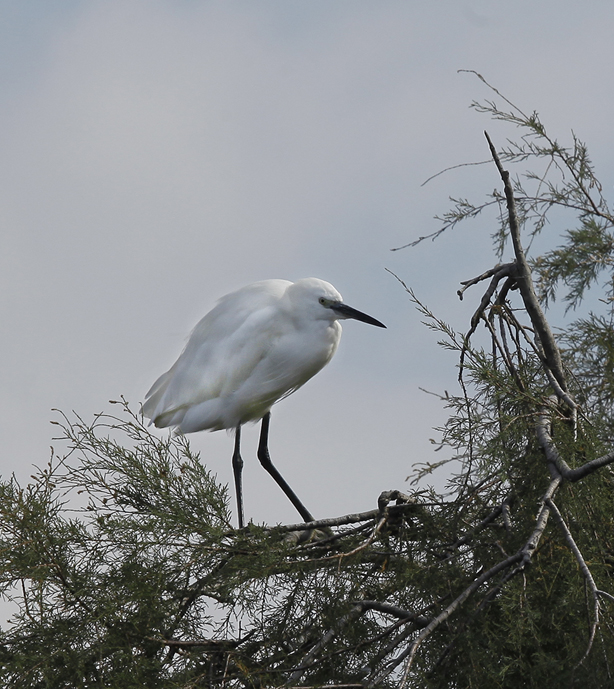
x=258, y=345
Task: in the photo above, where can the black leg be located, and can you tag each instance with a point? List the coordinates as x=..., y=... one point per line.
x=237, y=468
x=265, y=460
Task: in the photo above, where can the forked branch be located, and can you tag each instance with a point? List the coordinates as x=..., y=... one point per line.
x=553, y=457
x=525, y=281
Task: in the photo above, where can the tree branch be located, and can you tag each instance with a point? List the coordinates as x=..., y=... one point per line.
x=586, y=573
x=522, y=557
x=554, y=458
x=395, y=611
x=525, y=281
x=371, y=515
x=506, y=268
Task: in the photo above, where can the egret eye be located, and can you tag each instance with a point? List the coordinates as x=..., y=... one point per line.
x=322, y=301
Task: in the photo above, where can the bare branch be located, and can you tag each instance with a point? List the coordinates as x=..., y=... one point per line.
x=605, y=594
x=205, y=644
x=339, y=521
x=554, y=458
x=506, y=268
x=400, y=613
x=525, y=281
x=586, y=573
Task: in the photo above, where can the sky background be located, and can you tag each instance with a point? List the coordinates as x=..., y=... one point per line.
x=156, y=155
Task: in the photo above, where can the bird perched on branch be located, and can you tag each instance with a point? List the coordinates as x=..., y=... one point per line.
x=257, y=346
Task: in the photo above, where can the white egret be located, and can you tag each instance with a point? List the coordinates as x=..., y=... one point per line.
x=257, y=346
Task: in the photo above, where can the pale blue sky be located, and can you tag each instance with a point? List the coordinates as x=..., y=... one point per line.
x=158, y=154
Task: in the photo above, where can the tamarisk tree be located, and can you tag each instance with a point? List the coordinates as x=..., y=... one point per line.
x=125, y=571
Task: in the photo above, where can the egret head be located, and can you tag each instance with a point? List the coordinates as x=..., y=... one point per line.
x=320, y=300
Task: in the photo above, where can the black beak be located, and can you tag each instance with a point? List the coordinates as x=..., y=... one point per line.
x=345, y=311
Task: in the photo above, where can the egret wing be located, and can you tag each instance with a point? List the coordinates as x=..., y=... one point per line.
x=223, y=349
x=293, y=357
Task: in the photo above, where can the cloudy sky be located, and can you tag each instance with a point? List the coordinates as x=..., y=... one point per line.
x=156, y=155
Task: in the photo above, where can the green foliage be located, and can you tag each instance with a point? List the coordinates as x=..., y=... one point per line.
x=128, y=573
x=125, y=570
x=562, y=179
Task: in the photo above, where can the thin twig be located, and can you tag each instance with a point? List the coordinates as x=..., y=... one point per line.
x=453, y=167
